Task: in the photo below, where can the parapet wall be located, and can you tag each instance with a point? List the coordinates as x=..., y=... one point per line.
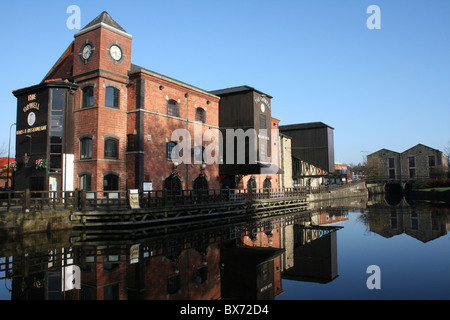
x=356, y=189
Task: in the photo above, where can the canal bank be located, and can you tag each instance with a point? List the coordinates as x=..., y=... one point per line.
x=35, y=222
x=355, y=189
x=49, y=220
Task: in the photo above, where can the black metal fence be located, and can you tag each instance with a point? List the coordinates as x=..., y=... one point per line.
x=26, y=201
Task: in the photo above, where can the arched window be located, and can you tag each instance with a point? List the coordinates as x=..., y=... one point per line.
x=85, y=181
x=88, y=96
x=173, y=185
x=173, y=108
x=251, y=183
x=200, y=115
x=111, y=148
x=112, y=97
x=86, y=148
x=111, y=181
x=201, y=183
x=267, y=184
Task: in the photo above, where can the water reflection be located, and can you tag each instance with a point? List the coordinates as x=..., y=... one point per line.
x=422, y=221
x=245, y=260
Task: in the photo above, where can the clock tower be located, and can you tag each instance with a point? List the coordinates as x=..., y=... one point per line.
x=102, y=46
x=101, y=62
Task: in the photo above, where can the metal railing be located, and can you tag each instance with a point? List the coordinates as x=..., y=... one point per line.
x=26, y=201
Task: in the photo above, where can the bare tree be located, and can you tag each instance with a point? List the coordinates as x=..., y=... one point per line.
x=4, y=149
x=447, y=149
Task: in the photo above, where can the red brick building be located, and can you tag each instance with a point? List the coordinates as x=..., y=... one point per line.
x=98, y=122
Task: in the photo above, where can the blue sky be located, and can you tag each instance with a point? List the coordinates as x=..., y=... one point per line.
x=386, y=88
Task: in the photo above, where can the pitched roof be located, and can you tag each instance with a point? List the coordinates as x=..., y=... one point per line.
x=135, y=69
x=105, y=18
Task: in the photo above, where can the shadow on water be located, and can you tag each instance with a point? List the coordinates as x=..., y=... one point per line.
x=245, y=260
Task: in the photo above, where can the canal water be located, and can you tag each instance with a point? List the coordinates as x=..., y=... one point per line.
x=357, y=250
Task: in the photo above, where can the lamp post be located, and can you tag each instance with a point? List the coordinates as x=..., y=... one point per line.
x=9, y=150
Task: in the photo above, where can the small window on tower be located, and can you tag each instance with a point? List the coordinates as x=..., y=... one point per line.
x=112, y=97
x=88, y=96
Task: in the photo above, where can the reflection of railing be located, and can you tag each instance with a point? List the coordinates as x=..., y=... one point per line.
x=95, y=200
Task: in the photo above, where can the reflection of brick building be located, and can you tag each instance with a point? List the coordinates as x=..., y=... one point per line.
x=190, y=275
x=104, y=278
x=102, y=123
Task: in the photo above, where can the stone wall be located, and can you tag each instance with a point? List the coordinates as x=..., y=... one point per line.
x=34, y=222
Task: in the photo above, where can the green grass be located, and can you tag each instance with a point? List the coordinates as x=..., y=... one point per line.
x=435, y=189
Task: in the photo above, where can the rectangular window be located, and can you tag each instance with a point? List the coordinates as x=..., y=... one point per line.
x=262, y=121
x=88, y=97
x=412, y=162
x=86, y=148
x=391, y=173
x=111, y=148
x=391, y=163
x=431, y=161
x=296, y=167
x=130, y=142
x=85, y=182
x=169, y=148
x=112, y=97
x=412, y=173
x=55, y=162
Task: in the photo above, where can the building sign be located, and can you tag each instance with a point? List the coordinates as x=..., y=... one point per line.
x=262, y=99
x=134, y=199
x=30, y=130
x=31, y=115
x=4, y=168
x=134, y=253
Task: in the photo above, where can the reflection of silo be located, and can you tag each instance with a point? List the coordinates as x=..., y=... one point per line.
x=287, y=243
x=314, y=260
x=248, y=273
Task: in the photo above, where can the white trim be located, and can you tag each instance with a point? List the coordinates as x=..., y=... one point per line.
x=106, y=26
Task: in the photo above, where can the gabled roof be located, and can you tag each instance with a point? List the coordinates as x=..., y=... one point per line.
x=381, y=151
x=420, y=145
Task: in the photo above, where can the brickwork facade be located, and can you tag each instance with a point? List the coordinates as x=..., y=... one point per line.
x=123, y=116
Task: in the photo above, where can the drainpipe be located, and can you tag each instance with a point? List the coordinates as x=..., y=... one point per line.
x=187, y=121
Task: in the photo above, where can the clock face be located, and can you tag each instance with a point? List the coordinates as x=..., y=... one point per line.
x=262, y=107
x=115, y=52
x=31, y=118
x=87, y=51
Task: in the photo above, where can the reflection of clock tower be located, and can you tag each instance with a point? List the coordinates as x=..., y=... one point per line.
x=101, y=61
